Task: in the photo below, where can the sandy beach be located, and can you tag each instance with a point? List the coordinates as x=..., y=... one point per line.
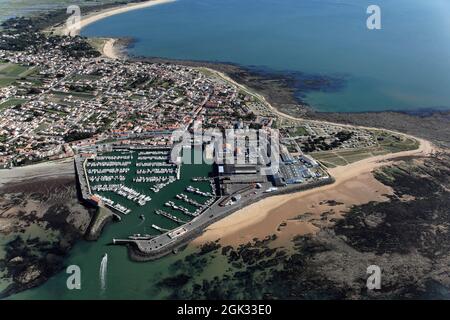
x=50, y=169
x=109, y=49
x=355, y=185
x=96, y=16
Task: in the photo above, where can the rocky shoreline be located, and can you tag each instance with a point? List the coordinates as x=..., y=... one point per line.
x=41, y=220
x=136, y=254
x=281, y=91
x=407, y=236
x=27, y=269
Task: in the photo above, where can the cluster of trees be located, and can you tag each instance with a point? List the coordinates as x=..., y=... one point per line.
x=320, y=143
x=77, y=135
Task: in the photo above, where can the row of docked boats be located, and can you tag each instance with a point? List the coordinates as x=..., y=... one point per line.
x=155, y=164
x=133, y=195
x=115, y=206
x=139, y=236
x=186, y=199
x=114, y=158
x=159, y=186
x=143, y=179
x=200, y=179
x=169, y=216
x=172, y=205
x=199, y=192
x=106, y=178
x=153, y=153
x=156, y=171
x=108, y=163
x=118, y=207
x=108, y=171
x=152, y=158
x=105, y=187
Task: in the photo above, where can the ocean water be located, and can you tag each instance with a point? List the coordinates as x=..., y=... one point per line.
x=403, y=66
x=123, y=279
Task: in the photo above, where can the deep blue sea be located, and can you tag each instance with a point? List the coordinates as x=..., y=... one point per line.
x=403, y=66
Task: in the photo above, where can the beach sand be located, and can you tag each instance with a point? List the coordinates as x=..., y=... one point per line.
x=49, y=169
x=96, y=16
x=109, y=50
x=355, y=185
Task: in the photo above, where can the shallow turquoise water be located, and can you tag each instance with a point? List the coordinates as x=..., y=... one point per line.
x=403, y=66
x=125, y=279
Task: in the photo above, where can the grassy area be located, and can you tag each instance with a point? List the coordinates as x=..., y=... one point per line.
x=29, y=72
x=207, y=72
x=11, y=103
x=330, y=159
x=97, y=43
x=397, y=146
x=12, y=70
x=298, y=131
x=4, y=82
x=9, y=73
x=388, y=144
x=58, y=112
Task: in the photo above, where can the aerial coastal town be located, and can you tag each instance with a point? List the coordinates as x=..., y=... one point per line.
x=197, y=151
x=59, y=98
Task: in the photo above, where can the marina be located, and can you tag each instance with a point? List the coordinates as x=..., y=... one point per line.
x=139, y=183
x=185, y=198
x=162, y=230
x=198, y=191
x=182, y=209
x=169, y=216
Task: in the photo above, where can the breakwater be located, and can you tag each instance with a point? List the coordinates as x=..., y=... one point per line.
x=140, y=251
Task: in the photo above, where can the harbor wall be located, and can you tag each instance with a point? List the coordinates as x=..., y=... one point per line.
x=136, y=252
x=95, y=228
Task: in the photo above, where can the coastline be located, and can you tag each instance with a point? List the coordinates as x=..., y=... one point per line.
x=233, y=230
x=342, y=174
x=110, y=49
x=102, y=14
x=257, y=213
x=264, y=217
x=282, y=100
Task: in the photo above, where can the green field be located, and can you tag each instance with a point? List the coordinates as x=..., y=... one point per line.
x=10, y=73
x=4, y=82
x=298, y=131
x=389, y=144
x=12, y=70
x=10, y=8
x=11, y=103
